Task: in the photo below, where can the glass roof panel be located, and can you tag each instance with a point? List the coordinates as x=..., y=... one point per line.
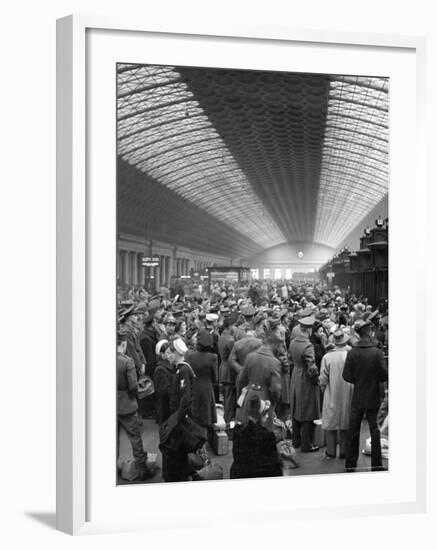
x=163, y=131
x=354, y=173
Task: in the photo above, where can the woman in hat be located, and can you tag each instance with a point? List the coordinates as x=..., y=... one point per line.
x=254, y=447
x=337, y=395
x=204, y=365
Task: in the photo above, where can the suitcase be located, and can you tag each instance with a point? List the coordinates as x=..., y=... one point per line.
x=319, y=437
x=220, y=443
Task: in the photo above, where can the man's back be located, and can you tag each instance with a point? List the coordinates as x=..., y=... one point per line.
x=365, y=368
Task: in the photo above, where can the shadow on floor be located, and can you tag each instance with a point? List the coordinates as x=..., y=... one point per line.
x=45, y=518
x=310, y=463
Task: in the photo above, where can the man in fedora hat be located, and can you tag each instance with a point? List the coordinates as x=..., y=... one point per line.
x=304, y=388
x=337, y=395
x=365, y=368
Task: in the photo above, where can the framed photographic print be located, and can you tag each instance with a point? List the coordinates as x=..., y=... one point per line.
x=230, y=299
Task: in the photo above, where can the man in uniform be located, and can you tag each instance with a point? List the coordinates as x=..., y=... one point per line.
x=304, y=388
x=248, y=313
x=127, y=385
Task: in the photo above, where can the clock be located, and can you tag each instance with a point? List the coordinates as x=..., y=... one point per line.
x=300, y=254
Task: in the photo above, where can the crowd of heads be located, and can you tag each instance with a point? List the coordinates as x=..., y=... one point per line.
x=266, y=309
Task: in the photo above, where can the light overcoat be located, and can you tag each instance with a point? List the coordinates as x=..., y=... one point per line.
x=337, y=394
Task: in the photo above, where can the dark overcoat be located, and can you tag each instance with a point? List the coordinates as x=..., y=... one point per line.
x=254, y=452
x=239, y=352
x=163, y=380
x=262, y=375
x=366, y=369
x=204, y=365
x=304, y=388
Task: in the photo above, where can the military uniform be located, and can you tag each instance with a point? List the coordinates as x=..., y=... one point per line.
x=127, y=383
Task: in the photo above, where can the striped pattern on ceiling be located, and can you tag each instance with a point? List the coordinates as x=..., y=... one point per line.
x=276, y=157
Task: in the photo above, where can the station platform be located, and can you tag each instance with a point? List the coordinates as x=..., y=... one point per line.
x=309, y=463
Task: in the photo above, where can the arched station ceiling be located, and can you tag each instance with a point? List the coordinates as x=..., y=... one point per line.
x=264, y=157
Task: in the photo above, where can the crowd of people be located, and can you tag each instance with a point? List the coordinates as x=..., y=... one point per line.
x=269, y=351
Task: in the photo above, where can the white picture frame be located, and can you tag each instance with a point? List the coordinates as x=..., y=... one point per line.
x=75, y=205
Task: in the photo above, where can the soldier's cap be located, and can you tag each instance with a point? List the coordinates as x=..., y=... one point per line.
x=125, y=312
x=180, y=346
x=307, y=321
x=159, y=345
x=361, y=324
x=127, y=303
x=211, y=317
x=248, y=311
x=307, y=312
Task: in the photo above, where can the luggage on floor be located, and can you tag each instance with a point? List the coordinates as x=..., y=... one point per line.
x=384, y=447
x=319, y=437
x=210, y=472
x=220, y=442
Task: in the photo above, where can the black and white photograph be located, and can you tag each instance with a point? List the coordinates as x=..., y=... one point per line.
x=252, y=273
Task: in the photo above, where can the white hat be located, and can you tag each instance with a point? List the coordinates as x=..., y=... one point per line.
x=211, y=317
x=159, y=346
x=180, y=346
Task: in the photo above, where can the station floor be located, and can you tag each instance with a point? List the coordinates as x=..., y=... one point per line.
x=309, y=463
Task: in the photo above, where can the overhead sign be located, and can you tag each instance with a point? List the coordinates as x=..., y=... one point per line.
x=228, y=276
x=150, y=261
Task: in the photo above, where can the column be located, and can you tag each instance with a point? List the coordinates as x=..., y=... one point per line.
x=171, y=268
x=162, y=264
x=140, y=276
x=125, y=263
x=134, y=267
x=118, y=266
x=158, y=276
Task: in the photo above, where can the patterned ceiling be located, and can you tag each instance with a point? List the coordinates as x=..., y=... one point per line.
x=252, y=159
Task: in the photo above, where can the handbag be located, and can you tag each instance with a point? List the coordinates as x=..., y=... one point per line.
x=146, y=387
x=166, y=428
x=185, y=435
x=192, y=435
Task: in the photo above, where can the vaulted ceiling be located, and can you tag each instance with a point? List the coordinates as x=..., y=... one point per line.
x=235, y=162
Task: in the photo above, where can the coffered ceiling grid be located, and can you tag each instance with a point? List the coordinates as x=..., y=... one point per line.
x=354, y=175
x=163, y=131
x=275, y=156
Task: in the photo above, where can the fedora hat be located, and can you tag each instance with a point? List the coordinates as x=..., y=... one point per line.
x=340, y=338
